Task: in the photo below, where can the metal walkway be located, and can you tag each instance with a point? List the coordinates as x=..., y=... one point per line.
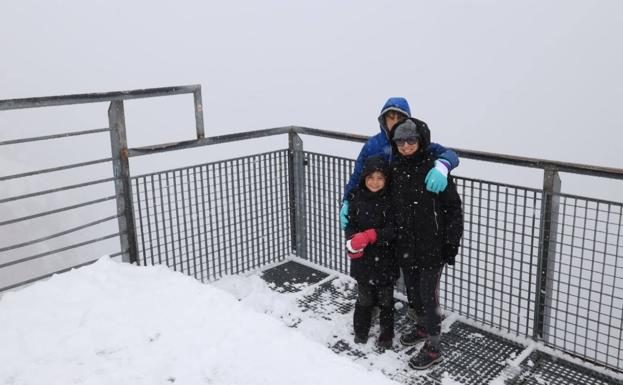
x=472, y=356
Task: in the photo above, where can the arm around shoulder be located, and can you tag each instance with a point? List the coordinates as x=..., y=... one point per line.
x=440, y=152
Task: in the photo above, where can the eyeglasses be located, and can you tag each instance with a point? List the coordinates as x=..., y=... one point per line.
x=402, y=142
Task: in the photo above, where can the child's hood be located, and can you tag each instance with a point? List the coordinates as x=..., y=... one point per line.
x=372, y=164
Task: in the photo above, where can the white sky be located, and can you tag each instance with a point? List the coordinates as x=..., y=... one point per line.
x=531, y=78
x=113, y=323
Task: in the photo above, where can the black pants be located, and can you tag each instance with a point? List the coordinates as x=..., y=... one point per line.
x=423, y=295
x=367, y=297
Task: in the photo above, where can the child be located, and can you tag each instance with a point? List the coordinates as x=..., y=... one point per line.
x=373, y=264
x=428, y=232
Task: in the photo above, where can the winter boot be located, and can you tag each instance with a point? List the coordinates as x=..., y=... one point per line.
x=427, y=357
x=386, y=339
x=362, y=318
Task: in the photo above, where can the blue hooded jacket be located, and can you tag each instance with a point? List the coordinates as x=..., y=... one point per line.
x=380, y=145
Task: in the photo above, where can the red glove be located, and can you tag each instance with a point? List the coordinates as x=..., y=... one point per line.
x=359, y=241
x=363, y=239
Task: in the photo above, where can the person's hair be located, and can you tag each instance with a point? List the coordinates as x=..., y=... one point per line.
x=399, y=114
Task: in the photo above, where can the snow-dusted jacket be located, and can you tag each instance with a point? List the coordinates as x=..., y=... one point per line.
x=424, y=222
x=372, y=210
x=380, y=145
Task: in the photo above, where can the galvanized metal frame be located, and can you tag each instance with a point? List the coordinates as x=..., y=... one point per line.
x=119, y=159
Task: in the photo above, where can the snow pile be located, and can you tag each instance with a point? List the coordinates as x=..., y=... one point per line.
x=113, y=323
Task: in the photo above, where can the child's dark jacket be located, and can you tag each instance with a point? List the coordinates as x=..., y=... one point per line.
x=368, y=210
x=425, y=222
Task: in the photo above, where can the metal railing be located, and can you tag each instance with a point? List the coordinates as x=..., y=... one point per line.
x=21, y=265
x=533, y=262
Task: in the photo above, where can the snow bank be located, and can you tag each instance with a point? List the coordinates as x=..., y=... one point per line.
x=113, y=323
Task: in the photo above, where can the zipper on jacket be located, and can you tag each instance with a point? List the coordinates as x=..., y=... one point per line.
x=435, y=212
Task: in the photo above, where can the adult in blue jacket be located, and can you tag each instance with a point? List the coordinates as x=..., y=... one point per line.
x=394, y=110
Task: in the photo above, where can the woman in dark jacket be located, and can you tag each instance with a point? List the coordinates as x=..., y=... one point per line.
x=428, y=229
x=373, y=263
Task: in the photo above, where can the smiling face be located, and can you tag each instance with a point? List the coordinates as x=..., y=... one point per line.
x=375, y=181
x=408, y=147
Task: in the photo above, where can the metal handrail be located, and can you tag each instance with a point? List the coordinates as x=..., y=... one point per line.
x=47, y=101
x=544, y=164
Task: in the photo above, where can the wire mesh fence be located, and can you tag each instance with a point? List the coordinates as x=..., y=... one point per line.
x=495, y=279
x=215, y=219
x=584, y=308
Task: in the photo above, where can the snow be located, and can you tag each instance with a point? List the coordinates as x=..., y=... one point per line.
x=114, y=323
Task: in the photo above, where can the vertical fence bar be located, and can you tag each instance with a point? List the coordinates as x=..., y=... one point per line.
x=297, y=195
x=123, y=191
x=198, y=113
x=547, y=253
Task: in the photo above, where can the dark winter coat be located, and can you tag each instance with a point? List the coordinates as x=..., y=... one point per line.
x=379, y=145
x=372, y=210
x=426, y=224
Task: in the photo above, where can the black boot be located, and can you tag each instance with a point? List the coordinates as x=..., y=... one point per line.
x=362, y=318
x=427, y=357
x=386, y=339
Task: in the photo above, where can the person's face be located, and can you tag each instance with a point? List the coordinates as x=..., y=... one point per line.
x=408, y=147
x=375, y=181
x=391, y=118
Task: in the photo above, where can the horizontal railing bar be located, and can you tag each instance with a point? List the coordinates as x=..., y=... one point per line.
x=607, y=172
x=66, y=208
x=41, y=255
x=46, y=101
x=50, y=191
x=330, y=134
x=38, y=278
x=576, y=168
x=174, y=146
x=54, y=169
x=55, y=136
x=65, y=232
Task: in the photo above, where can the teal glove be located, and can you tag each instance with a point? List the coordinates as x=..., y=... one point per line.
x=344, y=215
x=437, y=178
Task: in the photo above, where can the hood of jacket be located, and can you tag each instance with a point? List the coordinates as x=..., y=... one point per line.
x=398, y=104
x=372, y=164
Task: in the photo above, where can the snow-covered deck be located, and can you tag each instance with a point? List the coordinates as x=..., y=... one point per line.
x=473, y=355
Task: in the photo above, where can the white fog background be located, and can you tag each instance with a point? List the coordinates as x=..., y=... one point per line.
x=528, y=78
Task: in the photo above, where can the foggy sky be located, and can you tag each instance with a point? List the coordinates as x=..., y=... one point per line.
x=530, y=78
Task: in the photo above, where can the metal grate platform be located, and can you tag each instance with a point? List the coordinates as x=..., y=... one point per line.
x=540, y=368
x=291, y=276
x=472, y=356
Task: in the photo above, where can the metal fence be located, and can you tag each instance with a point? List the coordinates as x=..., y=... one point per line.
x=93, y=214
x=565, y=290
x=215, y=219
x=533, y=262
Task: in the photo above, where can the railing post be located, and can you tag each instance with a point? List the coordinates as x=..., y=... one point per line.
x=547, y=254
x=198, y=113
x=123, y=191
x=298, y=215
